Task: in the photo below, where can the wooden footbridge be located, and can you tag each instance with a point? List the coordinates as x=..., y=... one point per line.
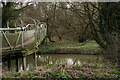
x=21, y=34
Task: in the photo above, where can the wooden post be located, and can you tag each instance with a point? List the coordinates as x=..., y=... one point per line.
x=9, y=63
x=35, y=59
x=24, y=62
x=17, y=65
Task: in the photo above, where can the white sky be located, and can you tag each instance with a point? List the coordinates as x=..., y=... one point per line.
x=62, y=0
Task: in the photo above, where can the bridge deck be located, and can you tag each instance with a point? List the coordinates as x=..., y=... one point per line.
x=20, y=38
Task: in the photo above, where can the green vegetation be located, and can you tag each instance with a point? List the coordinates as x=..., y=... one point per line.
x=66, y=71
x=73, y=46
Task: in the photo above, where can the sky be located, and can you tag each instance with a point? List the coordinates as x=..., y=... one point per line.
x=61, y=0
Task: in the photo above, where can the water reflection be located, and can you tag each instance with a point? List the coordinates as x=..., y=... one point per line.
x=21, y=68
x=69, y=60
x=30, y=61
x=78, y=62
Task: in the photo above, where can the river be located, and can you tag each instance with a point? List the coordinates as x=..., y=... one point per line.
x=45, y=59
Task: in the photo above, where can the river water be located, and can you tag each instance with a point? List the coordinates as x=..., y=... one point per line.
x=45, y=59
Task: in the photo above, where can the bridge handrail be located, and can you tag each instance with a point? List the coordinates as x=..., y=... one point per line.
x=15, y=29
x=19, y=28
